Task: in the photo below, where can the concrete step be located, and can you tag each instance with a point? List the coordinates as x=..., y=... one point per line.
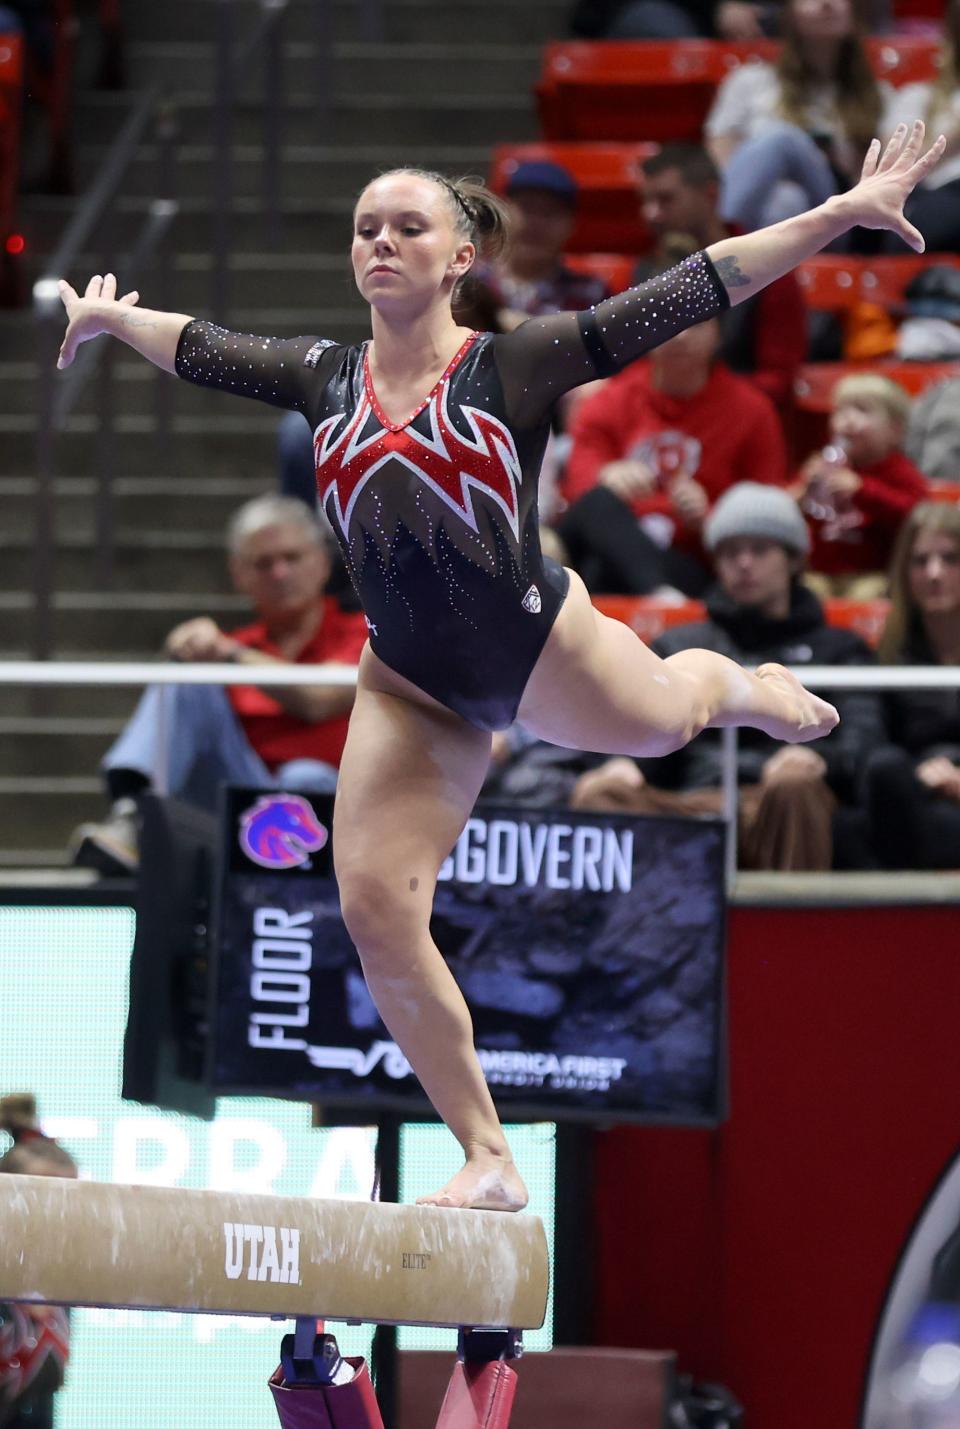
x=68, y=703
x=481, y=66
x=402, y=20
x=318, y=287
x=473, y=116
x=322, y=224
x=307, y=168
x=139, y=502
x=48, y=748
x=50, y=807
x=175, y=560
x=220, y=443
x=98, y=626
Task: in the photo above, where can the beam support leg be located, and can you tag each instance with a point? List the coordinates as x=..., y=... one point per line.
x=316, y=1388
x=482, y=1387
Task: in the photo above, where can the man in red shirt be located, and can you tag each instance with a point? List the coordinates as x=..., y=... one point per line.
x=652, y=452
x=187, y=740
x=765, y=338
x=856, y=491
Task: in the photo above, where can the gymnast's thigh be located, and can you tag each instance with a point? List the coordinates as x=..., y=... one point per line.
x=409, y=777
x=597, y=686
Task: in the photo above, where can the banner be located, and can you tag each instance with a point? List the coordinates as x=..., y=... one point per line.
x=589, y=948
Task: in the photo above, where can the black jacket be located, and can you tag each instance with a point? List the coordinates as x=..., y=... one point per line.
x=802, y=638
x=924, y=722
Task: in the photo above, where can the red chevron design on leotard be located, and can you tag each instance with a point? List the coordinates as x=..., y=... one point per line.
x=448, y=463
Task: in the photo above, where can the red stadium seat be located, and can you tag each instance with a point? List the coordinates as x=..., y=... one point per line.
x=837, y=283
x=944, y=491
x=816, y=381
x=608, y=214
x=647, y=615
x=650, y=617
x=866, y=617
x=653, y=90
x=813, y=390
x=615, y=270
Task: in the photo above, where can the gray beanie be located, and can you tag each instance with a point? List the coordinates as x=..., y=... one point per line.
x=751, y=509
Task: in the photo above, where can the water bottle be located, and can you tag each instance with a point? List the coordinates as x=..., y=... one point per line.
x=923, y=1389
x=817, y=499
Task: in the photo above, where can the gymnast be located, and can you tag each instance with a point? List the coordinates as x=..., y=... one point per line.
x=428, y=442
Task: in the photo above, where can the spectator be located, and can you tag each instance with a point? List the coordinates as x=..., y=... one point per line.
x=934, y=205
x=34, y=1339
x=764, y=338
x=933, y=431
x=790, y=796
x=691, y=19
x=195, y=737
x=531, y=278
x=673, y=19
x=857, y=491
x=652, y=451
x=912, y=786
x=789, y=134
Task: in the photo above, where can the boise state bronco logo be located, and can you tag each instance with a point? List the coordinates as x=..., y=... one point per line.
x=281, y=831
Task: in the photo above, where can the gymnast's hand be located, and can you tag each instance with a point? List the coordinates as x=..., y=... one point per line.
x=87, y=317
x=887, y=179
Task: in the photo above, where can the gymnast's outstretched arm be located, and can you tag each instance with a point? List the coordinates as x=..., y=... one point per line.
x=750, y=261
x=546, y=357
x=284, y=372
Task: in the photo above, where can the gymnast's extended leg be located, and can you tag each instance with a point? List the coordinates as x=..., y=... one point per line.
x=597, y=686
x=409, y=777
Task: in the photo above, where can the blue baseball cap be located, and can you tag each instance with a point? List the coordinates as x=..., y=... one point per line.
x=546, y=176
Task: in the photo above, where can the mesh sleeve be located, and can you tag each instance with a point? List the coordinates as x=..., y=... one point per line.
x=281, y=371
x=546, y=357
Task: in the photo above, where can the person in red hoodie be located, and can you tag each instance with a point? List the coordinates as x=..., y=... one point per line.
x=857, y=491
x=652, y=451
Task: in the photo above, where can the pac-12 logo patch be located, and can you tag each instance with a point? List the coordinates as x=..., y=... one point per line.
x=281, y=831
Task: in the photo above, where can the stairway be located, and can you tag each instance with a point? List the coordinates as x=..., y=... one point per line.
x=442, y=84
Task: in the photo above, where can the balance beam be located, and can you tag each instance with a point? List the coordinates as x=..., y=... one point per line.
x=69, y=1242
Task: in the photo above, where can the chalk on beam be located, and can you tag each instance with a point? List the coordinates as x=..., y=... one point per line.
x=154, y=1248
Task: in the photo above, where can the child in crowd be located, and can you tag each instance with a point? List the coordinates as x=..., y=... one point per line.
x=856, y=491
x=34, y=1339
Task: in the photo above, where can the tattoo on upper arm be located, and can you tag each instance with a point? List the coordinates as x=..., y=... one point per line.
x=729, y=272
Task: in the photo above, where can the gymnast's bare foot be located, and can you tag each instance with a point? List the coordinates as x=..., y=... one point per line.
x=486, y=1183
x=803, y=716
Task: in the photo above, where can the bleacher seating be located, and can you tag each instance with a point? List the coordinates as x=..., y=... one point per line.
x=651, y=90
x=615, y=270
x=650, y=616
x=608, y=214
x=838, y=282
x=816, y=380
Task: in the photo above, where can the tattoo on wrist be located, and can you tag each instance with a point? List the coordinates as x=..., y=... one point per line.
x=730, y=274
x=133, y=319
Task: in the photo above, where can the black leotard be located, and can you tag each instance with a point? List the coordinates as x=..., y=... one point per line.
x=437, y=516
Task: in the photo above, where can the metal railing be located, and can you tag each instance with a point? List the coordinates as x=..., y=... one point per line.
x=235, y=60
x=153, y=116
x=58, y=396
x=135, y=673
